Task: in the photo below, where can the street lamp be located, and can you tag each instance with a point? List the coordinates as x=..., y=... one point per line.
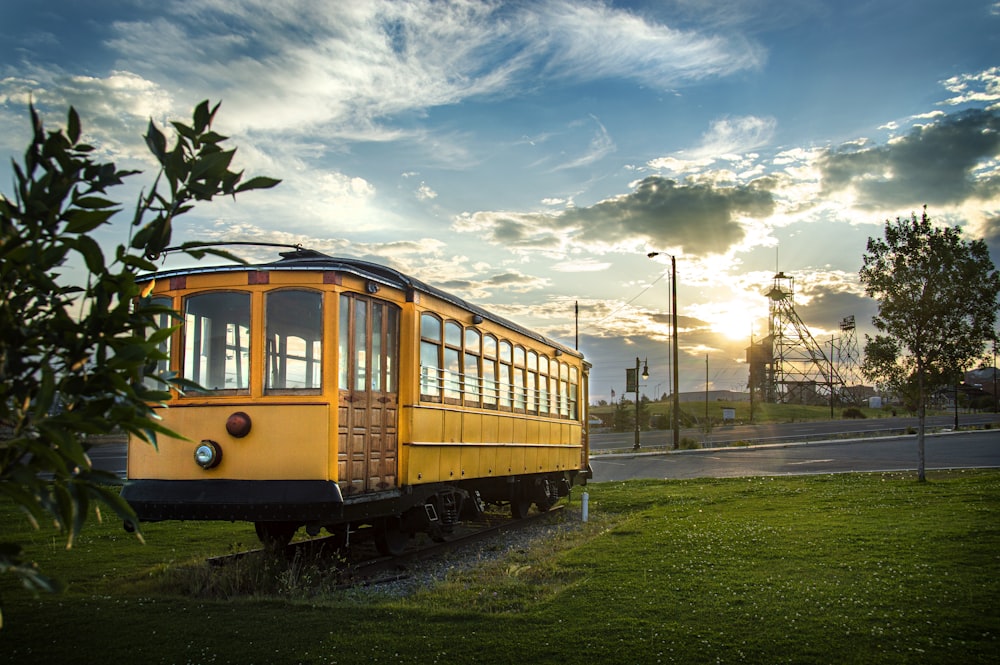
x=677, y=393
x=632, y=381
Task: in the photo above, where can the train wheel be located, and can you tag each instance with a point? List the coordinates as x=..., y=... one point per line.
x=546, y=497
x=275, y=535
x=520, y=504
x=390, y=539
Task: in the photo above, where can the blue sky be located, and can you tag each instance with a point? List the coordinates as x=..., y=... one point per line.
x=528, y=155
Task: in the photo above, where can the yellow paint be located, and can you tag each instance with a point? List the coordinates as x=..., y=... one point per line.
x=286, y=442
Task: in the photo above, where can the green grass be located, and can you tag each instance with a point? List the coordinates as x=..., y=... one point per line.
x=814, y=569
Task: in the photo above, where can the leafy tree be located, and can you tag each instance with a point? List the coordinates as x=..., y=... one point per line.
x=937, y=306
x=73, y=357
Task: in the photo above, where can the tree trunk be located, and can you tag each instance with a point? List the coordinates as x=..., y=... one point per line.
x=921, y=421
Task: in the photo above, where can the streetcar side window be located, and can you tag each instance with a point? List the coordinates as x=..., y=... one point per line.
x=161, y=321
x=564, y=390
x=430, y=357
x=543, y=385
x=294, y=340
x=452, y=373
x=504, y=381
x=490, y=371
x=532, y=382
x=217, y=341
x=519, y=387
x=574, y=384
x=556, y=406
x=473, y=349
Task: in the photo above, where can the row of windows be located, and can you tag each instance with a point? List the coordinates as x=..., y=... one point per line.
x=460, y=365
x=216, y=340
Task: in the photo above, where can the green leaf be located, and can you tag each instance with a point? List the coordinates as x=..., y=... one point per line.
x=46, y=393
x=212, y=138
x=202, y=117
x=156, y=142
x=85, y=221
x=91, y=252
x=161, y=335
x=214, y=164
x=260, y=182
x=73, y=126
x=92, y=202
x=185, y=131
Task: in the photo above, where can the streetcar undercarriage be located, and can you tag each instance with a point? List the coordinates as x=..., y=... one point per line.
x=279, y=508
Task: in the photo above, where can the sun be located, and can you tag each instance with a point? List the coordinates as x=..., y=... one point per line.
x=735, y=319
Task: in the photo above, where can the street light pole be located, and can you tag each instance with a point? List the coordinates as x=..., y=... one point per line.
x=636, y=446
x=645, y=375
x=673, y=307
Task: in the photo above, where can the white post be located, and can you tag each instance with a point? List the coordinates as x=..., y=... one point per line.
x=586, y=505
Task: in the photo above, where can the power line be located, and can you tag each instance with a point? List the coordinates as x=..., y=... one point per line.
x=624, y=305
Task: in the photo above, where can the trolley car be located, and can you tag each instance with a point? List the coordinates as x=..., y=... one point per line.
x=345, y=395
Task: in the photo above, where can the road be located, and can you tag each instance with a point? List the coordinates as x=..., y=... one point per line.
x=779, y=432
x=974, y=449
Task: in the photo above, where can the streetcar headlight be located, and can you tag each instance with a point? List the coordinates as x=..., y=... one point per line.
x=208, y=454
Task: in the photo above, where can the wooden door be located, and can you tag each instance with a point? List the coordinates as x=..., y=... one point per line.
x=368, y=394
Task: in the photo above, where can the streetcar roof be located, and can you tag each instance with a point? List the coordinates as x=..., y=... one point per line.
x=310, y=260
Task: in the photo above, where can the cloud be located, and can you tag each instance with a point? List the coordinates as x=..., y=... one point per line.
x=589, y=40
x=974, y=88
x=114, y=110
x=694, y=218
x=424, y=192
x=829, y=305
x=601, y=145
x=581, y=265
x=935, y=164
x=296, y=66
x=511, y=281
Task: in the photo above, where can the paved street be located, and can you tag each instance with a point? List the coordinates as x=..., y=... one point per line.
x=781, y=432
x=978, y=449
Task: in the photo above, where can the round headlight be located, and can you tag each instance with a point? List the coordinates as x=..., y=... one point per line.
x=208, y=454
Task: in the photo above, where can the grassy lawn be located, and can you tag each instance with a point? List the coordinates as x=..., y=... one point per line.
x=813, y=569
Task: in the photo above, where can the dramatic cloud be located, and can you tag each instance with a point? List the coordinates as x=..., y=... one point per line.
x=349, y=65
x=115, y=109
x=510, y=281
x=694, y=218
x=726, y=139
x=934, y=164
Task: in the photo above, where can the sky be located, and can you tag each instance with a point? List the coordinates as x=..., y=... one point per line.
x=527, y=156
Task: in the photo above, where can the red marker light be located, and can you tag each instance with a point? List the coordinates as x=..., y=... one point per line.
x=238, y=424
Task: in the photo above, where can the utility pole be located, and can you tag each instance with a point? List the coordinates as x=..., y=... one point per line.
x=676, y=371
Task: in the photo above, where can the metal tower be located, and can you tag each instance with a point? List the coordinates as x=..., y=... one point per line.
x=799, y=372
x=848, y=366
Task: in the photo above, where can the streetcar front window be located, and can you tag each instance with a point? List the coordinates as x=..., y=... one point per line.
x=294, y=340
x=217, y=341
x=162, y=321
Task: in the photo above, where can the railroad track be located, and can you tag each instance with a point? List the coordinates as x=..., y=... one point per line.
x=362, y=565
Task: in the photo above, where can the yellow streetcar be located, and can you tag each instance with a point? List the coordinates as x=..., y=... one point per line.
x=345, y=395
